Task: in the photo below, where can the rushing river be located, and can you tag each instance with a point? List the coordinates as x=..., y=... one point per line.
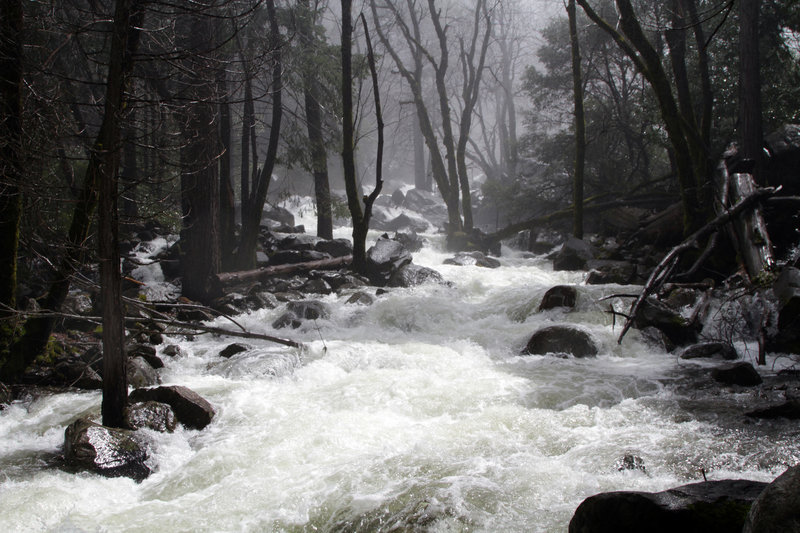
x=416, y=412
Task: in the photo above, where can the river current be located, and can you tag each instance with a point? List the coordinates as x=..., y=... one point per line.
x=415, y=413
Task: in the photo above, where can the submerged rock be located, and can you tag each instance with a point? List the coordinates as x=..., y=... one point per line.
x=191, y=410
x=559, y=296
x=777, y=508
x=561, y=340
x=707, y=507
x=630, y=462
x=107, y=451
x=789, y=409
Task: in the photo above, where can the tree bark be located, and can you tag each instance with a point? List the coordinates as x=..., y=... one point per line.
x=750, y=134
x=11, y=38
x=102, y=160
x=251, y=223
x=580, y=123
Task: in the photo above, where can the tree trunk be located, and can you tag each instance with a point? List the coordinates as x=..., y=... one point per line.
x=251, y=224
x=11, y=35
x=125, y=35
x=227, y=209
x=348, y=141
x=38, y=329
x=200, y=236
x=580, y=123
x=750, y=134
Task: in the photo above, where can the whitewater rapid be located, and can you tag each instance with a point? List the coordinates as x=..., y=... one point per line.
x=416, y=411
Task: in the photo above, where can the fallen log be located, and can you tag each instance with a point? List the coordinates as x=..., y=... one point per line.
x=260, y=274
x=662, y=272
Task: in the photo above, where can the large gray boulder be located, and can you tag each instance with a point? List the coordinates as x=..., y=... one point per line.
x=561, y=340
x=107, y=451
x=777, y=508
x=140, y=373
x=191, y=409
x=384, y=258
x=707, y=507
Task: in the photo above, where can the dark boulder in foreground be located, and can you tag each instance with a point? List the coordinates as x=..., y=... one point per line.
x=789, y=410
x=777, y=508
x=107, y=451
x=561, y=340
x=191, y=409
x=707, y=507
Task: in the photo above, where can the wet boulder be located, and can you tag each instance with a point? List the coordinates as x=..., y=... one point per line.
x=789, y=410
x=787, y=293
x=630, y=462
x=73, y=372
x=384, y=258
x=707, y=507
x=140, y=373
x=299, y=241
x=106, y=451
x=411, y=275
x=298, y=311
x=360, y=298
x=559, y=296
x=146, y=352
x=232, y=349
x=605, y=271
x=573, y=255
x=560, y=340
x=777, y=508
x=411, y=241
x=405, y=222
x=335, y=247
x=678, y=329
x=172, y=350
x=151, y=415
x=742, y=374
x=317, y=286
x=277, y=214
x=474, y=258
x=709, y=350
x=191, y=409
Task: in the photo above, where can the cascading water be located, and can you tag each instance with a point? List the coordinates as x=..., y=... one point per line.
x=414, y=413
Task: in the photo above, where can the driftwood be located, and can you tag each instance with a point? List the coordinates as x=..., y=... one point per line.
x=662, y=272
x=260, y=274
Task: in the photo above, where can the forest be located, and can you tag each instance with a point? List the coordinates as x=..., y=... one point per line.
x=423, y=265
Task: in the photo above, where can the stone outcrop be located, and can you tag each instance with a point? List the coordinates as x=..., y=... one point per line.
x=573, y=255
x=384, y=258
x=151, y=415
x=742, y=374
